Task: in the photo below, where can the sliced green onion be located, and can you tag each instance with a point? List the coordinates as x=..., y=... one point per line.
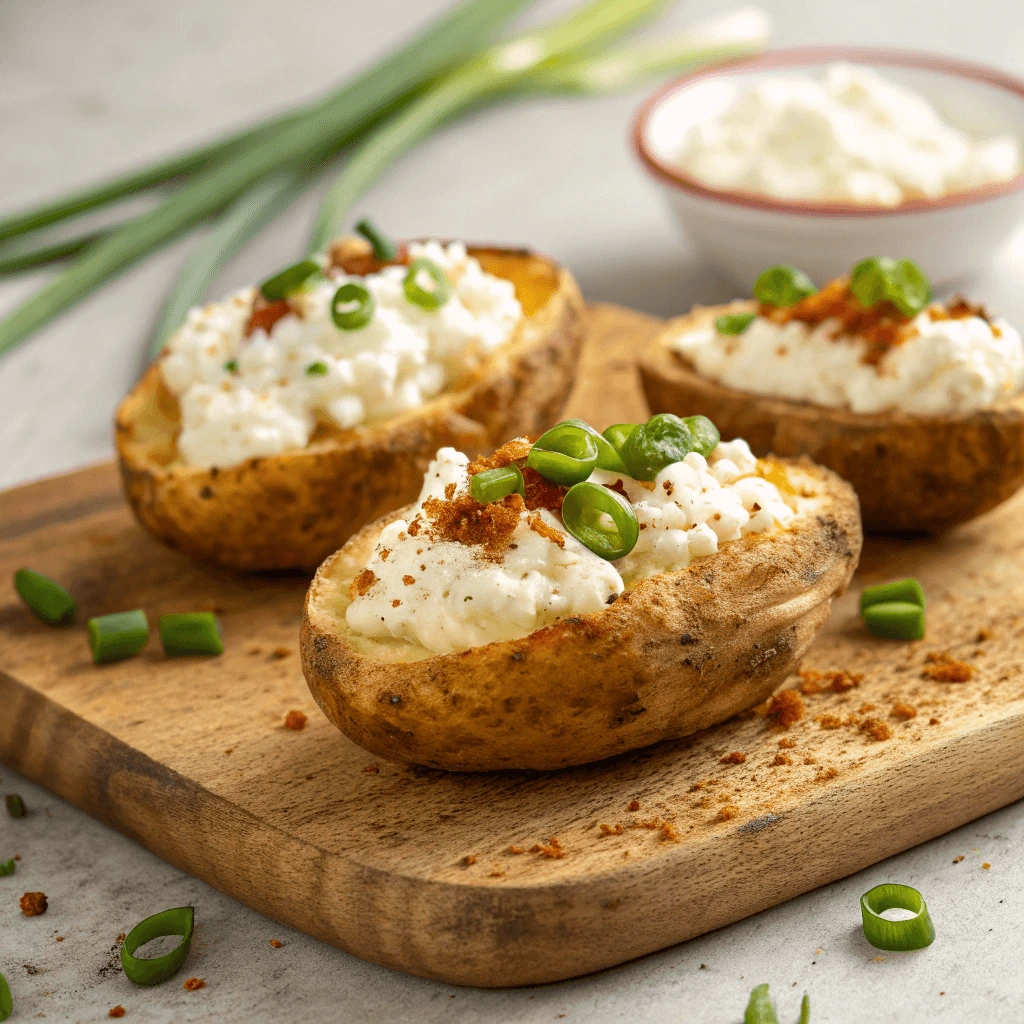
x=618, y=433
x=607, y=455
x=734, y=323
x=601, y=519
x=6, y=1003
x=50, y=601
x=318, y=369
x=142, y=971
x=430, y=298
x=118, y=636
x=782, y=286
x=908, y=590
x=565, y=454
x=7, y=867
x=805, y=1009
x=901, y=282
x=352, y=307
x=704, y=432
x=665, y=439
x=383, y=248
x=895, y=620
x=290, y=280
x=495, y=484
x=231, y=366
x=190, y=633
x=16, y=806
x=911, y=933
x=760, y=1009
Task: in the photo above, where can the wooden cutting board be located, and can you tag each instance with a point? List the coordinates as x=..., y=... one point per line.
x=422, y=870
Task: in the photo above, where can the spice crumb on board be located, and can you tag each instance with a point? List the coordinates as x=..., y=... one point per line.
x=837, y=681
x=516, y=849
x=121, y=938
x=935, y=721
x=469, y=859
x=372, y=769
x=826, y=774
x=781, y=759
x=295, y=720
x=633, y=805
x=728, y=812
x=611, y=830
x=58, y=938
x=276, y=943
x=986, y=865
x=552, y=850
x=497, y=873
x=194, y=984
x=33, y=904
x=942, y=667
x=281, y=652
x=983, y=634
x=958, y=859
x=116, y=1011
x=829, y=721
x=876, y=729
x=787, y=708
x=904, y=711
x=736, y=757
x=865, y=708
x=787, y=743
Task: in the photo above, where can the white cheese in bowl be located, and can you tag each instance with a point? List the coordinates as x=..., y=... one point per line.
x=851, y=136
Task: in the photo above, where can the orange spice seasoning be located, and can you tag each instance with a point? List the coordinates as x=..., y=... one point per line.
x=736, y=757
x=942, y=667
x=787, y=708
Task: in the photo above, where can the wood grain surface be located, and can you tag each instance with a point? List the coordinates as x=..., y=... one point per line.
x=419, y=869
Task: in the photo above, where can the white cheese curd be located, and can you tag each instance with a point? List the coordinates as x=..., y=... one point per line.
x=852, y=136
x=941, y=366
x=459, y=599
x=269, y=404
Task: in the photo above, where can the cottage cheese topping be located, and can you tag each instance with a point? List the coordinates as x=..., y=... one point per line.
x=446, y=597
x=404, y=357
x=851, y=137
x=943, y=366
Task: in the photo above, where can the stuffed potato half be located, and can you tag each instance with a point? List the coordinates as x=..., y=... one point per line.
x=289, y=510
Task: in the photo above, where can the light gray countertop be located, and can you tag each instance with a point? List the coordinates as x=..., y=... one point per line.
x=89, y=89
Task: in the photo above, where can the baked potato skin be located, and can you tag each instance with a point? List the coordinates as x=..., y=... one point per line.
x=291, y=510
x=912, y=474
x=679, y=652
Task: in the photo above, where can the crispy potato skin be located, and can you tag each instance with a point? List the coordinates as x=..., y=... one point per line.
x=679, y=652
x=292, y=510
x=912, y=473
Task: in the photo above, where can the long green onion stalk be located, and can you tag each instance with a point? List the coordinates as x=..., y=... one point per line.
x=21, y=258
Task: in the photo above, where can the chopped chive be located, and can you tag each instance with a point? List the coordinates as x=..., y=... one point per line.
x=190, y=633
x=436, y=294
x=910, y=933
x=50, y=601
x=6, y=1003
x=734, y=323
x=318, y=369
x=231, y=366
x=895, y=620
x=760, y=1009
x=289, y=280
x=901, y=590
x=152, y=971
x=7, y=867
x=383, y=248
x=16, y=806
x=352, y=307
x=118, y=636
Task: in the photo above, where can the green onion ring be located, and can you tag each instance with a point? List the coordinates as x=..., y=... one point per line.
x=15, y=806
x=7, y=867
x=143, y=971
x=565, y=454
x=760, y=1009
x=911, y=933
x=360, y=315
x=429, y=300
x=734, y=323
x=618, y=434
x=383, y=248
x=895, y=620
x=118, y=636
x=190, y=633
x=291, y=279
x=908, y=590
x=583, y=507
x=607, y=455
x=6, y=1002
x=50, y=601
x=782, y=286
x=665, y=439
x=902, y=282
x=496, y=484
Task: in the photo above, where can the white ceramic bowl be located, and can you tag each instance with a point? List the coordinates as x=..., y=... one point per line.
x=742, y=233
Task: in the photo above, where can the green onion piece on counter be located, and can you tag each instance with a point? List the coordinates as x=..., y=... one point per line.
x=607, y=455
x=805, y=1009
x=50, y=601
x=565, y=454
x=153, y=971
x=7, y=867
x=734, y=323
x=383, y=248
x=618, y=433
x=290, y=280
x=118, y=636
x=318, y=369
x=895, y=620
x=601, y=519
x=665, y=439
x=231, y=366
x=760, y=1009
x=782, y=286
x=496, y=484
x=6, y=1003
x=436, y=294
x=908, y=590
x=352, y=307
x=911, y=933
x=901, y=282
x=16, y=806
x=190, y=633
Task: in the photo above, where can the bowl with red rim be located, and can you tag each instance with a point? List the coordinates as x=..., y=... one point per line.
x=741, y=233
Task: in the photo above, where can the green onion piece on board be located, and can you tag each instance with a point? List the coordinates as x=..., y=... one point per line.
x=607, y=455
x=383, y=248
x=290, y=280
x=805, y=1009
x=901, y=282
x=190, y=633
x=601, y=519
x=6, y=1003
x=782, y=286
x=901, y=590
x=911, y=933
x=760, y=1009
x=231, y=366
x=143, y=971
x=618, y=433
x=16, y=806
x=7, y=867
x=432, y=297
x=352, y=307
x=118, y=636
x=734, y=323
x=318, y=369
x=895, y=620
x=50, y=601
x=665, y=439
x=496, y=484
x=565, y=454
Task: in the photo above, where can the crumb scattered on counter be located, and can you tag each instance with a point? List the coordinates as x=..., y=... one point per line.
x=611, y=830
x=552, y=850
x=957, y=860
x=838, y=681
x=736, y=757
x=497, y=873
x=295, y=720
x=781, y=759
x=983, y=634
x=826, y=774
x=469, y=859
x=904, y=711
x=986, y=865
x=942, y=667
x=934, y=721
x=33, y=904
x=728, y=812
x=876, y=729
x=276, y=943
x=787, y=743
x=281, y=652
x=516, y=849
x=116, y=1011
x=372, y=769
x=194, y=984
x=633, y=805
x=829, y=721
x=787, y=708
x=865, y=708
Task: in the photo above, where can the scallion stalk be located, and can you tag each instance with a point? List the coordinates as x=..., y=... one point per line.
x=20, y=258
